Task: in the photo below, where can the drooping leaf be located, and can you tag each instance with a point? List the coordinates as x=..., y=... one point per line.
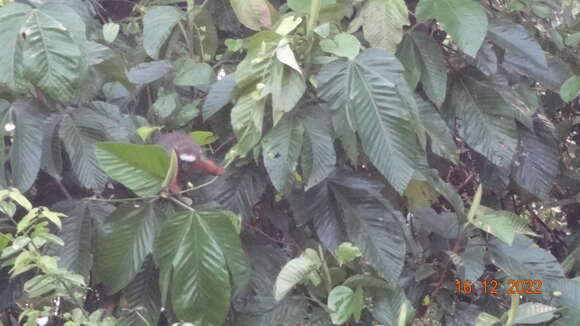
x=219, y=95
x=78, y=233
x=516, y=39
x=486, y=121
x=79, y=132
x=26, y=149
x=372, y=225
x=13, y=17
x=442, y=142
x=465, y=20
x=158, y=24
x=125, y=246
x=343, y=303
x=53, y=54
x=382, y=22
x=143, y=298
x=238, y=190
x=296, y=271
x=503, y=224
x=281, y=149
x=319, y=156
x=255, y=14
x=288, y=87
x=194, y=261
x=141, y=168
x=52, y=147
x=373, y=91
x=538, y=160
x=148, y=72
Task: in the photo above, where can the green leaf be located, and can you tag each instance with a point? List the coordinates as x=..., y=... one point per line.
x=126, y=245
x=382, y=22
x=25, y=152
x=148, y=72
x=141, y=168
x=191, y=73
x=281, y=149
x=343, y=45
x=142, y=297
x=188, y=254
x=390, y=304
x=485, y=319
x=13, y=16
x=423, y=60
x=442, y=142
x=486, y=121
x=296, y=271
x=372, y=225
x=165, y=105
x=375, y=95
x=78, y=232
x=219, y=95
x=570, y=89
x=255, y=14
x=318, y=156
x=346, y=253
x=158, y=24
x=534, y=313
x=52, y=161
x=303, y=6
x=553, y=77
x=538, y=160
x=53, y=54
x=110, y=32
x=504, y=225
x=79, y=132
x=288, y=87
x=465, y=20
x=203, y=137
x=145, y=132
x=343, y=303
x=516, y=39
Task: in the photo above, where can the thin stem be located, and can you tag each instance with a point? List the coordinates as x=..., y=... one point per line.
x=515, y=302
x=325, y=269
x=182, y=204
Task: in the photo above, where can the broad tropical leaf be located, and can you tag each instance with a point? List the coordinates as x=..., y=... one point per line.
x=281, y=148
x=143, y=297
x=25, y=152
x=13, y=17
x=503, y=224
x=375, y=95
x=486, y=122
x=344, y=303
x=141, y=168
x=516, y=39
x=442, y=142
x=194, y=261
x=125, y=246
x=296, y=271
x=158, y=24
x=465, y=20
x=79, y=132
x=372, y=225
x=538, y=161
x=52, y=161
x=219, y=95
x=318, y=156
x=78, y=233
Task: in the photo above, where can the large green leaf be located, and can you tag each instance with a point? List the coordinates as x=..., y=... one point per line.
x=373, y=91
x=372, y=225
x=52, y=161
x=423, y=59
x=570, y=89
x=389, y=304
x=465, y=20
x=238, y=190
x=552, y=77
x=254, y=14
x=288, y=87
x=524, y=260
x=442, y=142
x=382, y=22
x=141, y=168
x=158, y=23
x=296, y=271
x=503, y=224
x=79, y=132
x=219, y=95
x=25, y=153
x=343, y=303
x=515, y=38
x=142, y=296
x=125, y=246
x=78, y=233
x=486, y=122
x=281, y=148
x=188, y=253
x=53, y=53
x=538, y=160
x=148, y=72
x=13, y=17
x=318, y=156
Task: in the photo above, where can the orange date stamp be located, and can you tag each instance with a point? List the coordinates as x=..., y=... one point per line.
x=468, y=287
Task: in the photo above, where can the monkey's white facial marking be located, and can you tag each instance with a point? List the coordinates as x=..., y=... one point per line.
x=188, y=157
